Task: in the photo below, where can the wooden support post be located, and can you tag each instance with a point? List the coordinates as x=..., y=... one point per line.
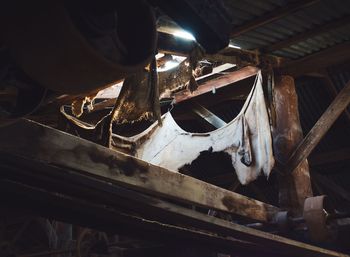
x=287, y=133
x=33, y=141
x=319, y=129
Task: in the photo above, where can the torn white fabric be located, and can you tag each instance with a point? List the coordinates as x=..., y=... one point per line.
x=247, y=139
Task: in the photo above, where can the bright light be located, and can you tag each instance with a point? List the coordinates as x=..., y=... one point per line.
x=168, y=66
x=234, y=46
x=184, y=34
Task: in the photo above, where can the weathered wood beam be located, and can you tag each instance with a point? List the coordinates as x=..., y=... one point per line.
x=338, y=155
x=272, y=16
x=287, y=134
x=34, y=141
x=217, y=83
x=320, y=60
x=319, y=129
x=317, y=30
x=207, y=115
x=179, y=225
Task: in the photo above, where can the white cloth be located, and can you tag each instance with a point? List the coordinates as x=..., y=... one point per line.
x=247, y=139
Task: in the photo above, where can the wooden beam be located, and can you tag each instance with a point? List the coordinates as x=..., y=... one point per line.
x=319, y=129
x=316, y=30
x=287, y=134
x=320, y=60
x=272, y=16
x=178, y=225
x=207, y=115
x=217, y=83
x=330, y=157
x=34, y=141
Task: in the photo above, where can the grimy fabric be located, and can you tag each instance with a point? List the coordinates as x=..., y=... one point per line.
x=247, y=139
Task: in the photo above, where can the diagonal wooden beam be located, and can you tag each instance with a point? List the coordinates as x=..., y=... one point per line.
x=319, y=129
x=269, y=17
x=207, y=115
x=217, y=83
x=317, y=30
x=320, y=60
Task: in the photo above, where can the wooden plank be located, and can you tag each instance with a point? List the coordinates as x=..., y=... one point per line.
x=338, y=155
x=207, y=115
x=32, y=140
x=287, y=134
x=217, y=83
x=320, y=60
x=319, y=129
x=199, y=227
x=272, y=16
x=317, y=30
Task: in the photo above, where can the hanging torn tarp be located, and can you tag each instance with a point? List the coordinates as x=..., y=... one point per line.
x=247, y=139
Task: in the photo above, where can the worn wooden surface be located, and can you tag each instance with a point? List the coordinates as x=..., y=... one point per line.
x=107, y=207
x=321, y=127
x=287, y=133
x=32, y=140
x=217, y=83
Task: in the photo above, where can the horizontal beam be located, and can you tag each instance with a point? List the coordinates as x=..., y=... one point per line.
x=320, y=60
x=316, y=30
x=171, y=224
x=217, y=83
x=308, y=144
x=272, y=16
x=34, y=141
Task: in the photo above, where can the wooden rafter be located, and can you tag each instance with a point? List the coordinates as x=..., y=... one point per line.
x=274, y=15
x=319, y=129
x=317, y=30
x=217, y=83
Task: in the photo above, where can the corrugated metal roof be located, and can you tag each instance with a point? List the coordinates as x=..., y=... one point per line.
x=308, y=18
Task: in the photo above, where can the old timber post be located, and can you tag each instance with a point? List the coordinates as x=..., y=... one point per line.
x=287, y=134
